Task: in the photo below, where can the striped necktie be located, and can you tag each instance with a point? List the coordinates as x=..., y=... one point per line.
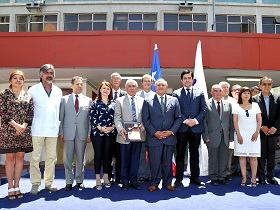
x=133, y=109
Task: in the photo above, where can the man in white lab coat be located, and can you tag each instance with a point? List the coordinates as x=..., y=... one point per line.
x=46, y=97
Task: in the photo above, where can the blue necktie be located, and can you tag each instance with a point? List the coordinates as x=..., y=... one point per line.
x=115, y=95
x=133, y=109
x=188, y=95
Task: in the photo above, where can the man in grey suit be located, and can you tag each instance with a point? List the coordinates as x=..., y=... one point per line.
x=161, y=118
x=74, y=131
x=218, y=133
x=128, y=108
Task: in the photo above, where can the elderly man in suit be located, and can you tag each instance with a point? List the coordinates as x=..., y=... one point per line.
x=116, y=80
x=162, y=118
x=269, y=104
x=193, y=109
x=217, y=135
x=128, y=108
x=74, y=131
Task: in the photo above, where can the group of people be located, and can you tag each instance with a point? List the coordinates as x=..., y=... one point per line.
x=162, y=125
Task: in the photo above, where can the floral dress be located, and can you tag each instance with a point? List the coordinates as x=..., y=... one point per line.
x=21, y=111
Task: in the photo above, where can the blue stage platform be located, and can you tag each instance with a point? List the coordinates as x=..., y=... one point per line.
x=223, y=197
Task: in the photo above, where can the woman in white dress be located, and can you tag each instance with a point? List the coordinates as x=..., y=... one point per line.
x=247, y=123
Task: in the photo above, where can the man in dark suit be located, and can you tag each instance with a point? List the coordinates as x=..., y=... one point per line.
x=217, y=135
x=116, y=81
x=161, y=118
x=193, y=108
x=270, y=107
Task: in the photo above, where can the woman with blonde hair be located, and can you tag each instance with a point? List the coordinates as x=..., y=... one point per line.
x=16, y=113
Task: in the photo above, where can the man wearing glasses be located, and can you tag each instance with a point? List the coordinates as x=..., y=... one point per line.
x=270, y=130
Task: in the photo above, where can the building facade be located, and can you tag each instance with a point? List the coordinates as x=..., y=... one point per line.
x=249, y=16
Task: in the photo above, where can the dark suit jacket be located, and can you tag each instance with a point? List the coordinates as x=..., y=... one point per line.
x=274, y=111
x=197, y=109
x=154, y=120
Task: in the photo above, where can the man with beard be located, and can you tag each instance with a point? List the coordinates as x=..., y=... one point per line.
x=46, y=98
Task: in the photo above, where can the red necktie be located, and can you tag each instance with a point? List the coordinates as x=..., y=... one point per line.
x=77, y=104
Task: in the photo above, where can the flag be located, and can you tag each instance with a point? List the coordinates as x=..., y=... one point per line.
x=200, y=83
x=155, y=70
x=199, y=78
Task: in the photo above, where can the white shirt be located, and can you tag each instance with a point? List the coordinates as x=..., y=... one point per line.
x=46, y=111
x=159, y=98
x=190, y=89
x=145, y=95
x=118, y=92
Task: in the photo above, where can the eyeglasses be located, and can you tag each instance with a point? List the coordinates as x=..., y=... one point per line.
x=266, y=84
x=247, y=113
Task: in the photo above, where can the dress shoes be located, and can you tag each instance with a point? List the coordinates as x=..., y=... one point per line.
x=228, y=178
x=80, y=185
x=141, y=180
x=152, y=188
x=197, y=181
x=135, y=186
x=125, y=187
x=272, y=181
x=262, y=181
x=68, y=187
x=214, y=182
x=169, y=187
x=223, y=182
x=177, y=184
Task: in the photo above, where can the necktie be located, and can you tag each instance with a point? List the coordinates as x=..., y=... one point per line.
x=77, y=104
x=162, y=104
x=115, y=95
x=133, y=109
x=188, y=95
x=218, y=108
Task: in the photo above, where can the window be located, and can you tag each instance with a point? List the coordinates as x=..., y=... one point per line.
x=84, y=22
x=271, y=25
x=4, y=23
x=235, y=23
x=185, y=22
x=36, y=23
x=135, y=21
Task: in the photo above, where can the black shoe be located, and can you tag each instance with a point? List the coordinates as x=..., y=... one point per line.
x=228, y=178
x=135, y=186
x=68, y=187
x=177, y=184
x=214, y=182
x=223, y=182
x=197, y=181
x=262, y=181
x=80, y=185
x=125, y=187
x=272, y=181
x=141, y=180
